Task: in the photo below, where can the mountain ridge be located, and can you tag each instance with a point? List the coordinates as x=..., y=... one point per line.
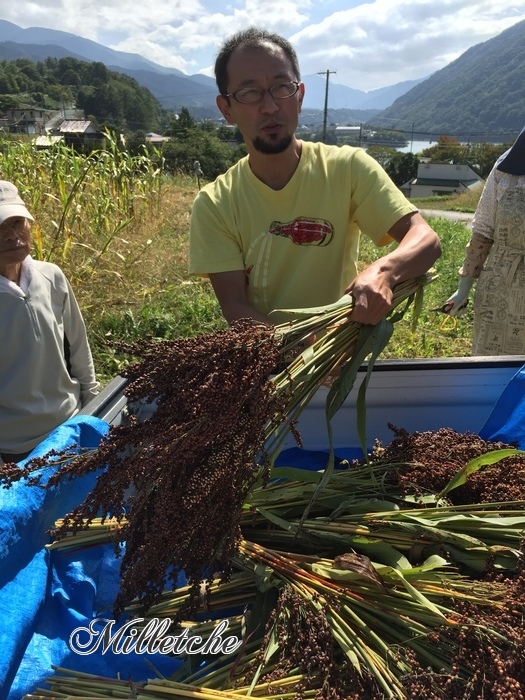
x=85, y=48
x=170, y=86
x=481, y=91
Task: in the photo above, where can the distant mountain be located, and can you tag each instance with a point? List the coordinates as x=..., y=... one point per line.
x=480, y=93
x=343, y=97
x=78, y=47
x=384, y=97
x=172, y=88
x=10, y=51
x=176, y=90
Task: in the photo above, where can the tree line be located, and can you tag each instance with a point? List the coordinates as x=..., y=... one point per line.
x=111, y=99
x=116, y=102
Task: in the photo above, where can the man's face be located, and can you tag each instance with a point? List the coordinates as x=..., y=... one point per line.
x=269, y=125
x=15, y=240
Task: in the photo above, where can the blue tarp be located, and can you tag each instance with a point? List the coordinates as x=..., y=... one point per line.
x=46, y=595
x=506, y=423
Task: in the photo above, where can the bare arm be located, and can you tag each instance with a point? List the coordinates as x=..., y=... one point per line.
x=417, y=251
x=230, y=290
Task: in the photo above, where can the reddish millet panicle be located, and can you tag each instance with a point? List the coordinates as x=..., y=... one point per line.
x=194, y=462
x=190, y=465
x=428, y=461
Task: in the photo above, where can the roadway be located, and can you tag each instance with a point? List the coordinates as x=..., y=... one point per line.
x=463, y=217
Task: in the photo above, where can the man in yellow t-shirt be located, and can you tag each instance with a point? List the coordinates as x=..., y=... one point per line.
x=280, y=229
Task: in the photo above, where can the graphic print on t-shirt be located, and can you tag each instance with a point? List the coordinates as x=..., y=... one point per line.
x=303, y=231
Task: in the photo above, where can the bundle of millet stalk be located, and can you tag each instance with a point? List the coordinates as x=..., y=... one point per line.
x=178, y=479
x=220, y=399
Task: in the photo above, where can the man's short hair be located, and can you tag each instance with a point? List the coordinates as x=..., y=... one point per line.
x=250, y=38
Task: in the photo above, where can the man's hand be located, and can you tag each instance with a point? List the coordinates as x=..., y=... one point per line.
x=372, y=297
x=417, y=251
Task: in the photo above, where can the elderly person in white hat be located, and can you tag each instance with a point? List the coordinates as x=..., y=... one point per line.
x=46, y=367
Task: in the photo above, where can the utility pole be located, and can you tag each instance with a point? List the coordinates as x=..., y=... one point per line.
x=325, y=113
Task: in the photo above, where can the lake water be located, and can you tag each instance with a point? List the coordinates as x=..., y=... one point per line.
x=416, y=146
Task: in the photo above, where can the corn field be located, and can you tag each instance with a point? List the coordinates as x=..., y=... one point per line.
x=84, y=204
x=117, y=225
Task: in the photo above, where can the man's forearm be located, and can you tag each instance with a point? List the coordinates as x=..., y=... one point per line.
x=234, y=311
x=414, y=256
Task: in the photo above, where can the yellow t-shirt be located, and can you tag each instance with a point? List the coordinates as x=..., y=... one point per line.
x=298, y=246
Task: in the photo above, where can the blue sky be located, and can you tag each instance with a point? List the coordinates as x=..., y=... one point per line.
x=368, y=45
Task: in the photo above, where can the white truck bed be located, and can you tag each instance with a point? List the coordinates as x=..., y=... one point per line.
x=421, y=394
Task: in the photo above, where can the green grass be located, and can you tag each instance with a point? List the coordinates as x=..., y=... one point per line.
x=463, y=202
x=183, y=310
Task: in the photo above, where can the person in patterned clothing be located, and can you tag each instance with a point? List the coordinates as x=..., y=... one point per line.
x=495, y=260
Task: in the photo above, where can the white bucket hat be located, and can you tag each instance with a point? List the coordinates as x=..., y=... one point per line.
x=11, y=203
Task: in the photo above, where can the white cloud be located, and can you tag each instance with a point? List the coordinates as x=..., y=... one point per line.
x=384, y=42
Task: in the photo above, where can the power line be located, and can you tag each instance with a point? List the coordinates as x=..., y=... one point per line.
x=325, y=113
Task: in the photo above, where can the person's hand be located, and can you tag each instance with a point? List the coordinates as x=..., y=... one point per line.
x=457, y=303
x=372, y=297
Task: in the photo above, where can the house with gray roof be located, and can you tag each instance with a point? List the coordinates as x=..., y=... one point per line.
x=441, y=179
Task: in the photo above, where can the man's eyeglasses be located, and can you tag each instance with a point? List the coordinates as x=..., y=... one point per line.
x=251, y=96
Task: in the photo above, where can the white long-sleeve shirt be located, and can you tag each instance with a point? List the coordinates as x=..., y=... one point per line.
x=46, y=367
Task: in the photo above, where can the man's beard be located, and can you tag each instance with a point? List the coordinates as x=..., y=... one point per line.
x=271, y=148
